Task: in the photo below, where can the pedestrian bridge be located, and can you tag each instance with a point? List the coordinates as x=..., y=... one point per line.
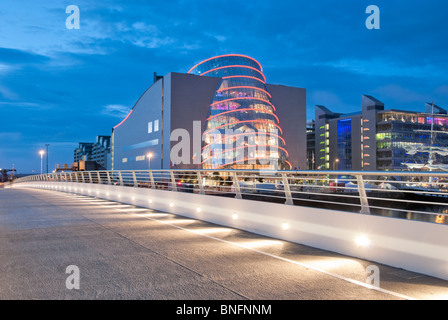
x=394, y=218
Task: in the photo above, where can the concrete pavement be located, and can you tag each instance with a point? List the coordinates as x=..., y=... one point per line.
x=126, y=252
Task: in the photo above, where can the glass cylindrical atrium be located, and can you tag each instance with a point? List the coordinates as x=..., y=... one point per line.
x=242, y=130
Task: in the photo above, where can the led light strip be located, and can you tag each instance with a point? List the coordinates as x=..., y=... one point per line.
x=227, y=55
x=249, y=133
x=255, y=145
x=246, y=98
x=245, y=87
x=250, y=77
x=245, y=109
x=244, y=121
x=235, y=66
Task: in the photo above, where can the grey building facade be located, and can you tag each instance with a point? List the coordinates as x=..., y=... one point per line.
x=175, y=106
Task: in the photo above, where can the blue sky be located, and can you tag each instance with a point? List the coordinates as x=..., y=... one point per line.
x=62, y=86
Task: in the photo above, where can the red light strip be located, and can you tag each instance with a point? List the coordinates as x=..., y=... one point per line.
x=247, y=159
x=235, y=66
x=124, y=119
x=237, y=98
x=245, y=87
x=240, y=134
x=226, y=55
x=258, y=120
x=228, y=77
x=252, y=109
x=262, y=145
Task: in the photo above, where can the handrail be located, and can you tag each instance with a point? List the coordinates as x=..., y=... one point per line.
x=402, y=194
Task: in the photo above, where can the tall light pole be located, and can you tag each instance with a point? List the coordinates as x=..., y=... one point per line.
x=41, y=152
x=335, y=165
x=47, y=155
x=149, y=156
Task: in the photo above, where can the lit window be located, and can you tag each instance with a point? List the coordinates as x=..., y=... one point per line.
x=156, y=125
x=124, y=160
x=149, y=126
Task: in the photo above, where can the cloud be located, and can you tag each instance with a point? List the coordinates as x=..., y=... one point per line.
x=384, y=68
x=10, y=136
x=116, y=110
x=443, y=90
x=400, y=94
x=7, y=94
x=15, y=56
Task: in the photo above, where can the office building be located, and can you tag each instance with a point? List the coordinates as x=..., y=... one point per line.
x=98, y=151
x=379, y=139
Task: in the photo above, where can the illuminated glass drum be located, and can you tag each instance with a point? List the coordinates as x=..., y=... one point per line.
x=242, y=130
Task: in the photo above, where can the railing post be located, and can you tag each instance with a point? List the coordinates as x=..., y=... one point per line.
x=108, y=178
x=134, y=177
x=151, y=178
x=236, y=185
x=82, y=177
x=287, y=190
x=200, y=184
x=362, y=195
x=120, y=178
x=173, y=181
x=99, y=177
x=90, y=177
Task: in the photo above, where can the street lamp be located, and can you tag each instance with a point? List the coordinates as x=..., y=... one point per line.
x=335, y=165
x=149, y=156
x=41, y=152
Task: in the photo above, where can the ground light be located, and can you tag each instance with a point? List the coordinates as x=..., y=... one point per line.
x=362, y=241
x=285, y=225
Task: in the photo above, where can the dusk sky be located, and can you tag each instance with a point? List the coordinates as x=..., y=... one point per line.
x=63, y=86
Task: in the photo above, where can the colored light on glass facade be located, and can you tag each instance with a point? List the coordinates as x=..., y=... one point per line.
x=242, y=130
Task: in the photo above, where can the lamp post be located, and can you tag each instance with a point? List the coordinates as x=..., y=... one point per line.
x=41, y=152
x=335, y=165
x=47, y=155
x=149, y=156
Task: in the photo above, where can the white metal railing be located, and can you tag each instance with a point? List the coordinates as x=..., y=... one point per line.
x=411, y=195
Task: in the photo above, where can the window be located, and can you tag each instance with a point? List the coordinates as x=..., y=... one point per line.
x=149, y=126
x=156, y=125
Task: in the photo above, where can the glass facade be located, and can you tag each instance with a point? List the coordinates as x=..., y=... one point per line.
x=242, y=130
x=398, y=133
x=344, y=145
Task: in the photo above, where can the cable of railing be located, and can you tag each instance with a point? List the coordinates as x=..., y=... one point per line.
x=289, y=186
